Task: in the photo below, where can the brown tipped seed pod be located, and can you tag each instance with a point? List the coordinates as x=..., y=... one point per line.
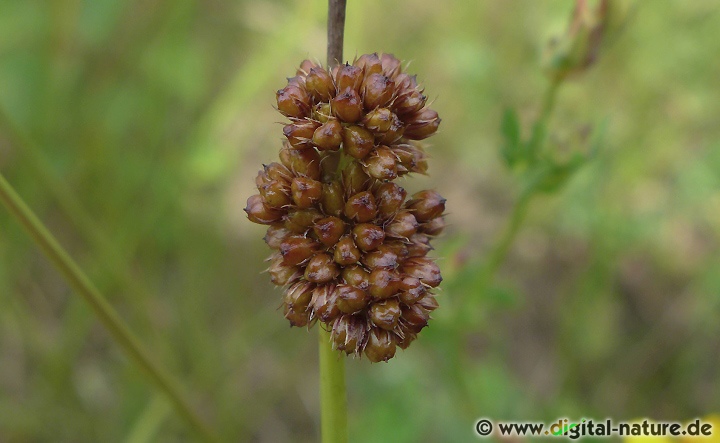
x=305, y=191
x=368, y=236
x=377, y=91
x=357, y=141
x=426, y=205
x=348, y=249
x=328, y=137
x=346, y=253
x=380, y=345
x=389, y=198
x=347, y=106
x=361, y=207
x=319, y=84
x=348, y=76
x=351, y=299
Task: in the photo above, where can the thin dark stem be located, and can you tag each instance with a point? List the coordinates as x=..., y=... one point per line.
x=335, y=31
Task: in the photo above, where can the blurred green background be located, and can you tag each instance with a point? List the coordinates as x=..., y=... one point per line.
x=135, y=129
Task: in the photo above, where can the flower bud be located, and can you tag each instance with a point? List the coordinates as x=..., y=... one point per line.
x=377, y=91
x=390, y=65
x=369, y=63
x=321, y=269
x=348, y=76
x=433, y=226
x=275, y=235
x=329, y=230
x=385, y=314
x=384, y=283
x=368, y=236
x=412, y=290
x=381, y=164
x=305, y=191
x=324, y=303
x=361, y=207
x=348, y=333
x=346, y=253
x=380, y=345
x=383, y=257
x=354, y=179
x=319, y=84
x=328, y=136
x=293, y=101
x=351, y=299
x=423, y=268
x=332, y=201
x=389, y=197
x=347, y=106
x=305, y=162
x=296, y=249
x=356, y=276
x=357, y=141
x=301, y=220
x=422, y=124
x=403, y=225
x=426, y=205
x=258, y=212
x=300, y=133
x=275, y=194
x=299, y=295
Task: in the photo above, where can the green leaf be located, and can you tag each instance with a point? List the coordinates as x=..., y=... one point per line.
x=512, y=150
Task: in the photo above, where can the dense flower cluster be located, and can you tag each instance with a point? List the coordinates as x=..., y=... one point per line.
x=350, y=248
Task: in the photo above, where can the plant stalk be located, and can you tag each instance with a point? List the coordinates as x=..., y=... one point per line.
x=333, y=398
x=77, y=279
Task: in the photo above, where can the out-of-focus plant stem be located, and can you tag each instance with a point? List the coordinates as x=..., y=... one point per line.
x=102, y=309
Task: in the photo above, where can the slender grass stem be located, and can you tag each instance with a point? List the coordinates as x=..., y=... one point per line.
x=102, y=309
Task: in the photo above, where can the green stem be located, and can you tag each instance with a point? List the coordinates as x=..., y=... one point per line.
x=539, y=129
x=104, y=311
x=333, y=399
x=501, y=249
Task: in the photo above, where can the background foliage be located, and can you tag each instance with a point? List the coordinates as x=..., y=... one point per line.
x=135, y=129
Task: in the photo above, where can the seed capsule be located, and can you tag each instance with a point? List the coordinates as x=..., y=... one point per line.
x=301, y=220
x=412, y=290
x=369, y=63
x=347, y=106
x=321, y=269
x=299, y=295
x=403, y=225
x=305, y=67
x=328, y=136
x=305, y=191
x=390, y=65
x=348, y=76
x=426, y=205
x=419, y=245
x=299, y=134
x=302, y=162
x=351, y=299
x=381, y=164
x=346, y=253
x=258, y=212
x=378, y=120
x=434, y=226
x=415, y=316
x=276, y=171
x=409, y=103
x=368, y=236
x=423, y=268
x=348, y=333
x=293, y=101
x=407, y=337
x=422, y=124
x=354, y=179
x=296, y=249
x=356, y=276
x=377, y=91
x=361, y=207
x=329, y=230
x=296, y=318
x=384, y=283
x=385, y=314
x=357, y=141
x=389, y=198
x=332, y=201
x=394, y=132
x=281, y=274
x=275, y=235
x=324, y=303
x=322, y=112
x=380, y=345
x=275, y=194
x=319, y=84
x=383, y=257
